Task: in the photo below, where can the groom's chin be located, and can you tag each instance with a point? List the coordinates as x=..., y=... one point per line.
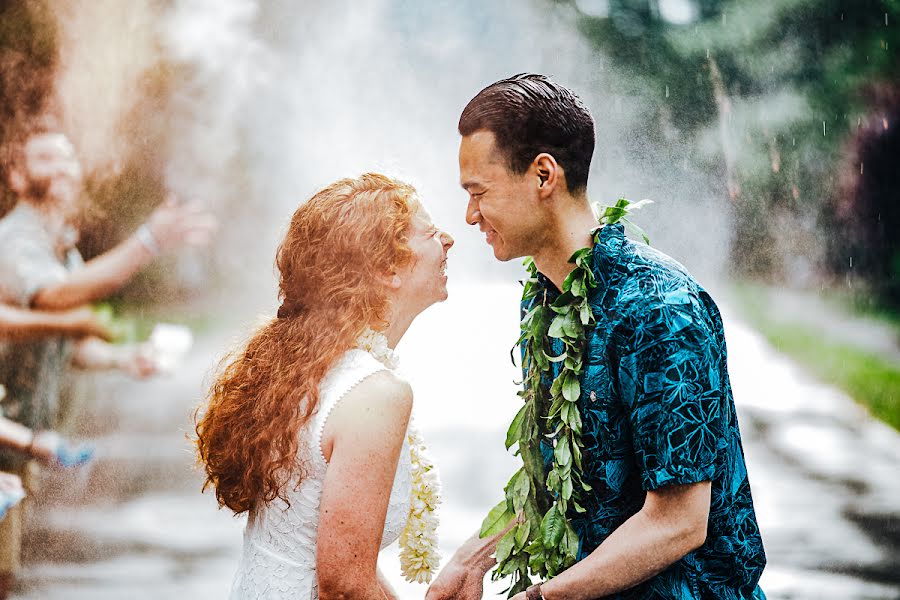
x=501, y=255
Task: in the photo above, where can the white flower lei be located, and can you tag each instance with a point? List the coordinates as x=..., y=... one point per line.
x=419, y=557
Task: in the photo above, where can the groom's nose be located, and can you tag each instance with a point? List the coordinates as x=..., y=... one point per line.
x=473, y=215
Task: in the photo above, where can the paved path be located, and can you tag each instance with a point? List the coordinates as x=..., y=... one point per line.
x=824, y=475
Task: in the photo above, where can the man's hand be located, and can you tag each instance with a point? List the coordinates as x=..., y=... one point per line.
x=174, y=225
x=457, y=582
x=137, y=361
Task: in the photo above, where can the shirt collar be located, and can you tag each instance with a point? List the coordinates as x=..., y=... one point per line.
x=609, y=241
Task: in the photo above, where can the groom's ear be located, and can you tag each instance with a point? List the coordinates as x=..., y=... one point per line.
x=547, y=171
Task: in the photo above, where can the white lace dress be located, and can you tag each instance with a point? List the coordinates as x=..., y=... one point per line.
x=279, y=554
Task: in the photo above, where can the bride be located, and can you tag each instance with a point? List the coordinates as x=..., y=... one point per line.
x=307, y=426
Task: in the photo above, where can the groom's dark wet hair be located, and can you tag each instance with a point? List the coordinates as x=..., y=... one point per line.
x=530, y=114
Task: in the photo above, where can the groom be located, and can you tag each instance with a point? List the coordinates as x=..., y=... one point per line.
x=669, y=513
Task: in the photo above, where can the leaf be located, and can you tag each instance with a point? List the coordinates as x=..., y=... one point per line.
x=571, y=542
x=553, y=481
x=639, y=204
x=505, y=546
x=496, y=521
x=571, y=389
x=560, y=358
x=536, y=559
x=522, y=531
x=572, y=326
x=631, y=225
x=577, y=287
x=585, y=314
x=564, y=412
x=521, y=486
x=563, y=452
x=575, y=420
x=566, y=489
x=553, y=527
x=557, y=326
x=520, y=586
x=514, y=433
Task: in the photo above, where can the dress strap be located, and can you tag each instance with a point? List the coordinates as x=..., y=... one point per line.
x=348, y=372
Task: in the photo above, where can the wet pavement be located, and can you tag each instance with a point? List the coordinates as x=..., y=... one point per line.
x=825, y=476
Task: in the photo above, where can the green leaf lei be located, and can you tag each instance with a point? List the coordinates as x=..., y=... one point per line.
x=542, y=541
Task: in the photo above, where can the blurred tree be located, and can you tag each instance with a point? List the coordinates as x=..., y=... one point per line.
x=770, y=93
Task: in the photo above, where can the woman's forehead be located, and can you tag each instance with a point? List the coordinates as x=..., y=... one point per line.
x=422, y=217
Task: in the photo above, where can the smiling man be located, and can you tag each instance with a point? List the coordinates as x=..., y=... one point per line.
x=668, y=513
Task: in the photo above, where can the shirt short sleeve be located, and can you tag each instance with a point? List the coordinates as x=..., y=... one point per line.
x=668, y=375
x=28, y=263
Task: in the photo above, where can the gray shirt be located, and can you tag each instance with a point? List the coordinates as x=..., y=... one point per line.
x=31, y=258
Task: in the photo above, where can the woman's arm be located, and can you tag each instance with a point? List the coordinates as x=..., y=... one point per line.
x=386, y=588
x=361, y=441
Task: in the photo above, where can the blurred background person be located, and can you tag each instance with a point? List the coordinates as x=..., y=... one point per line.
x=41, y=267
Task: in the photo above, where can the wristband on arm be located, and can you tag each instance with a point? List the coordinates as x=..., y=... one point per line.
x=147, y=239
x=534, y=592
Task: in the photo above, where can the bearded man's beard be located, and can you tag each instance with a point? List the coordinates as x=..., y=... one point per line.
x=38, y=189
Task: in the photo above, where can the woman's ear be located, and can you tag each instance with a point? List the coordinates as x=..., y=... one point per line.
x=392, y=281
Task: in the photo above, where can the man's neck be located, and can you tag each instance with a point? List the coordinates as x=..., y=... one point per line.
x=570, y=232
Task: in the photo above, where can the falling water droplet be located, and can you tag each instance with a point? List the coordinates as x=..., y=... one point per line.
x=842, y=16
x=885, y=19
x=707, y=53
x=860, y=168
x=823, y=128
x=851, y=262
x=667, y=91
x=793, y=141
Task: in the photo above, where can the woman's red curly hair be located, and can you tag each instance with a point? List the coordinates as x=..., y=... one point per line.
x=332, y=264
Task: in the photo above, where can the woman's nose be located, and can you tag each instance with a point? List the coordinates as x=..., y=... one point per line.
x=447, y=240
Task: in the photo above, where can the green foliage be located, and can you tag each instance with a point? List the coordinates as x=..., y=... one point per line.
x=868, y=378
x=871, y=379
x=543, y=542
x=780, y=87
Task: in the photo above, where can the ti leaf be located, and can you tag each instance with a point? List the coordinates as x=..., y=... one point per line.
x=496, y=521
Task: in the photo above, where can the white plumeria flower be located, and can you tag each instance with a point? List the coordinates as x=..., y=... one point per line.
x=419, y=558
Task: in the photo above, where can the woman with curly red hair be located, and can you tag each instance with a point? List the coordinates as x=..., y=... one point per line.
x=306, y=427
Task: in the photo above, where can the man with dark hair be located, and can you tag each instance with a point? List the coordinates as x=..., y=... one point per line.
x=668, y=511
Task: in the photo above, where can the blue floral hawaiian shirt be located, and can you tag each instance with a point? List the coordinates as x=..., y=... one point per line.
x=657, y=410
